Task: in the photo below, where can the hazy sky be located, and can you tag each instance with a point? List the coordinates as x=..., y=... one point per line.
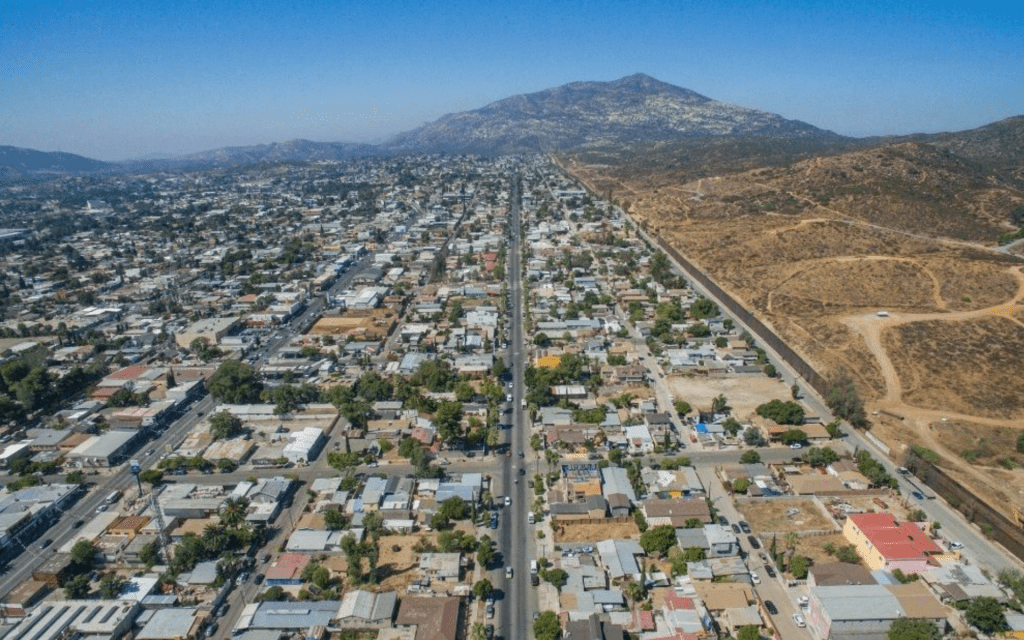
x=122, y=79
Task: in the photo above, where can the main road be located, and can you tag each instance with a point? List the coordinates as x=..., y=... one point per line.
x=515, y=541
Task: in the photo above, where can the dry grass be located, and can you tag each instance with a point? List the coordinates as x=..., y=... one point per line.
x=569, y=532
x=971, y=367
x=769, y=516
x=807, y=243
x=813, y=547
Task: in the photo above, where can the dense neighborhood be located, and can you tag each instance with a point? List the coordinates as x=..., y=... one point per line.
x=293, y=401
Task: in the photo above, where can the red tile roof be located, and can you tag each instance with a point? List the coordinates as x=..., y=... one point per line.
x=289, y=566
x=895, y=540
x=129, y=373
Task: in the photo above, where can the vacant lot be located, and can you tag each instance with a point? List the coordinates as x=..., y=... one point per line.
x=813, y=547
x=744, y=394
x=774, y=516
x=569, y=532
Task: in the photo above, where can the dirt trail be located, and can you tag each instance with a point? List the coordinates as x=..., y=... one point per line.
x=870, y=326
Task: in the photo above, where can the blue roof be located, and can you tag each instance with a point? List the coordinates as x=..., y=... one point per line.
x=702, y=428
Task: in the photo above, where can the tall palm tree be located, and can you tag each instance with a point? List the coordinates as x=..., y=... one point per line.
x=232, y=512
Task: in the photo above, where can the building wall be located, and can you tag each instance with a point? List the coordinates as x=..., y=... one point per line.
x=867, y=551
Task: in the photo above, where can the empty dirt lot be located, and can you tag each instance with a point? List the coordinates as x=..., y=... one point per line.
x=744, y=393
x=569, y=532
x=770, y=516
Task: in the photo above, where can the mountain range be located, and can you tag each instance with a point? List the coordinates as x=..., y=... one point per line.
x=638, y=114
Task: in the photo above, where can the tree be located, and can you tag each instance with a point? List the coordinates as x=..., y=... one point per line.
x=847, y=553
x=334, y=519
x=83, y=554
x=448, y=420
x=542, y=340
x=820, y=457
x=546, y=626
x=455, y=508
x=740, y=485
x=111, y=586
x=986, y=614
x=842, y=397
x=224, y=425
x=753, y=437
x=750, y=457
x=782, y=412
x=658, y=540
x=233, y=511
x=235, y=382
x=798, y=566
x=557, y=577
x=151, y=476
x=682, y=408
x=748, y=632
x=703, y=308
x=150, y=554
x=720, y=404
x=485, y=554
x=75, y=477
x=483, y=588
x=770, y=371
x=913, y=629
x=793, y=436
x=76, y=588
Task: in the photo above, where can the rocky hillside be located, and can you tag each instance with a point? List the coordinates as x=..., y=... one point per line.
x=17, y=163
x=291, y=151
x=637, y=109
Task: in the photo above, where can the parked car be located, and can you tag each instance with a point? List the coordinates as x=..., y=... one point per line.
x=796, y=445
x=754, y=542
x=77, y=523
x=736, y=529
x=508, y=573
x=508, y=501
x=768, y=569
x=723, y=521
x=45, y=543
x=917, y=495
x=956, y=545
x=799, y=620
x=490, y=610
x=770, y=606
x=744, y=526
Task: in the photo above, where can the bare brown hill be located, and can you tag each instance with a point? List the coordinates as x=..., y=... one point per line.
x=817, y=246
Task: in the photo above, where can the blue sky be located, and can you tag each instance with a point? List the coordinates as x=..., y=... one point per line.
x=115, y=80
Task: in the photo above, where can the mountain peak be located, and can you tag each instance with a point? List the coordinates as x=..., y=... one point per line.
x=634, y=109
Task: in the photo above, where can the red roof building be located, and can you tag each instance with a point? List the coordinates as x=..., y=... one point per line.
x=885, y=543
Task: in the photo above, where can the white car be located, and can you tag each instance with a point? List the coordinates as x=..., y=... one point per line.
x=796, y=445
x=799, y=620
x=508, y=501
x=956, y=545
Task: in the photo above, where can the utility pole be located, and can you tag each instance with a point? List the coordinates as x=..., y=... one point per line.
x=161, y=530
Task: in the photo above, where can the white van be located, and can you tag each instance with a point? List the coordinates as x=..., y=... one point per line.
x=530, y=519
x=533, y=567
